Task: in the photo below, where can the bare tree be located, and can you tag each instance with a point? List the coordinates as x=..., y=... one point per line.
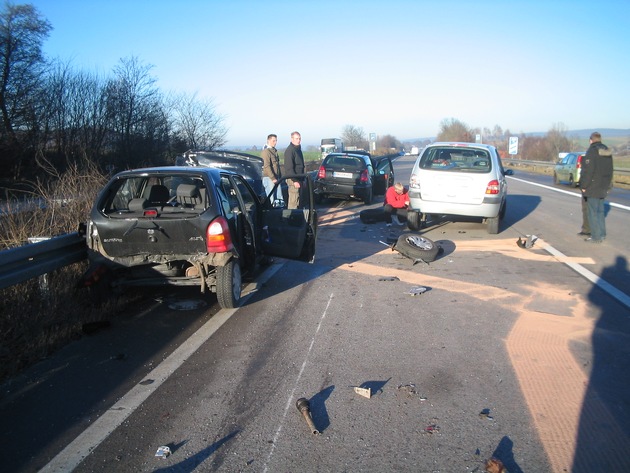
x=22, y=31
x=557, y=141
x=354, y=136
x=452, y=129
x=197, y=123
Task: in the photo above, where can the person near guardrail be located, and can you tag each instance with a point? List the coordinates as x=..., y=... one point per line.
x=271, y=168
x=595, y=182
x=396, y=204
x=293, y=166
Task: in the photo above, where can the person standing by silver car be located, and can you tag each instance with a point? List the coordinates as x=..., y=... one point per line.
x=271, y=167
x=595, y=182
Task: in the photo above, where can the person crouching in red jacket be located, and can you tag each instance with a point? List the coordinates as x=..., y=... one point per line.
x=396, y=204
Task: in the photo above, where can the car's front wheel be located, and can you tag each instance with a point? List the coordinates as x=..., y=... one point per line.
x=229, y=284
x=555, y=179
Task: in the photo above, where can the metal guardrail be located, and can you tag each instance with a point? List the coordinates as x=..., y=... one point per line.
x=526, y=162
x=25, y=262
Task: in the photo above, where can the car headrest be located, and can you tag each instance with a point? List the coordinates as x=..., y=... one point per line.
x=187, y=190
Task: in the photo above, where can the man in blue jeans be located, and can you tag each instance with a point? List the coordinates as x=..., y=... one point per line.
x=595, y=183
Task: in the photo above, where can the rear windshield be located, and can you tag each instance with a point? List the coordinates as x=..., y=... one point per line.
x=456, y=159
x=167, y=194
x=344, y=161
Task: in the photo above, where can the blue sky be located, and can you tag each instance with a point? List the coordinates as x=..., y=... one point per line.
x=390, y=67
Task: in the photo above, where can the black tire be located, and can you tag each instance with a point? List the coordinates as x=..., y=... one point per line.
x=571, y=182
x=229, y=284
x=414, y=220
x=416, y=247
x=368, y=197
x=503, y=210
x=372, y=215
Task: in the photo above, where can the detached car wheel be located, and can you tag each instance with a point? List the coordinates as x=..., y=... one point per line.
x=417, y=247
x=229, y=284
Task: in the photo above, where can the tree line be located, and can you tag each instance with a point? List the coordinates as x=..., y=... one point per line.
x=53, y=113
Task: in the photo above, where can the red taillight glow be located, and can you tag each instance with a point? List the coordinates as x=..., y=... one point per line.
x=364, y=176
x=321, y=174
x=218, y=239
x=493, y=187
x=579, y=162
x=150, y=213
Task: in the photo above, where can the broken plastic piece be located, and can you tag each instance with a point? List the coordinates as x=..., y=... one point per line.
x=389, y=278
x=432, y=428
x=365, y=392
x=163, y=452
x=414, y=291
x=485, y=413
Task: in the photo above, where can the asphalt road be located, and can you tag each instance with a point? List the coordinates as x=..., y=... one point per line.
x=513, y=353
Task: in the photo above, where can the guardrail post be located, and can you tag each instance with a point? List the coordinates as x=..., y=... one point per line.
x=44, y=287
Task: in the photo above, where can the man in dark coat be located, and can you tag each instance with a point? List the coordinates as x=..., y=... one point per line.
x=595, y=183
x=293, y=166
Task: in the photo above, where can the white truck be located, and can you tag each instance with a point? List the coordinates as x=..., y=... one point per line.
x=331, y=145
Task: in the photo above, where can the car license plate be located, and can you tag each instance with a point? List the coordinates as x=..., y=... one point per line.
x=345, y=175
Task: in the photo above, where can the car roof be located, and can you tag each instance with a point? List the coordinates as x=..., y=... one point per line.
x=460, y=144
x=172, y=169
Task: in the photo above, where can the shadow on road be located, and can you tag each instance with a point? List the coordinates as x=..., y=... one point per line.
x=603, y=437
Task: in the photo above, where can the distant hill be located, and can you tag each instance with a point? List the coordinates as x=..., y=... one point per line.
x=579, y=134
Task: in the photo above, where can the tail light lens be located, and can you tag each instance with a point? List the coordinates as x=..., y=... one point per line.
x=364, y=176
x=218, y=239
x=579, y=162
x=321, y=174
x=493, y=187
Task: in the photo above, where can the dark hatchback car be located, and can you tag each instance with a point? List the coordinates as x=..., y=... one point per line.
x=354, y=175
x=188, y=226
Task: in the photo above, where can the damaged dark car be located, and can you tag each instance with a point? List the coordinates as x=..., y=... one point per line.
x=185, y=226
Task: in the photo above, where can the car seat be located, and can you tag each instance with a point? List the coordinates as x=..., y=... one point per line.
x=158, y=195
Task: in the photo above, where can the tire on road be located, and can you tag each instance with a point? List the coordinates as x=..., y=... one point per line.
x=416, y=246
x=414, y=220
x=229, y=284
x=372, y=215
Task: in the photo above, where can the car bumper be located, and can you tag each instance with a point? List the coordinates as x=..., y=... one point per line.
x=347, y=190
x=489, y=208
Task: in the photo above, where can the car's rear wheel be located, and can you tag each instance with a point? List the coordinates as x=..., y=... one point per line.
x=229, y=284
x=414, y=220
x=571, y=182
x=417, y=247
x=493, y=225
x=368, y=197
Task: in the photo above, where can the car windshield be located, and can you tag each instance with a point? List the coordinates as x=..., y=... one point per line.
x=456, y=159
x=164, y=193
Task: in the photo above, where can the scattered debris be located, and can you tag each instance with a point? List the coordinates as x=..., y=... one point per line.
x=410, y=391
x=485, y=414
x=529, y=243
x=365, y=392
x=146, y=382
x=304, y=407
x=494, y=465
x=163, y=452
x=432, y=428
x=414, y=291
x=389, y=278
x=186, y=304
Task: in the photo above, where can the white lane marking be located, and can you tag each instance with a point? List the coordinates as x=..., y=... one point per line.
x=594, y=278
x=612, y=204
x=295, y=385
x=77, y=450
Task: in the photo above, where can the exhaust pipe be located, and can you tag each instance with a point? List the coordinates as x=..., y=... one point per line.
x=304, y=407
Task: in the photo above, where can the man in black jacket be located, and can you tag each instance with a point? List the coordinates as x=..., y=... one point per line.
x=293, y=166
x=595, y=183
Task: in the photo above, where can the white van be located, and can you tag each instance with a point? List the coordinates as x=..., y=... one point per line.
x=460, y=179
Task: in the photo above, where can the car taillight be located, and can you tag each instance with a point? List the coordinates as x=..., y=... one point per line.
x=150, y=213
x=321, y=174
x=493, y=187
x=364, y=176
x=579, y=162
x=218, y=239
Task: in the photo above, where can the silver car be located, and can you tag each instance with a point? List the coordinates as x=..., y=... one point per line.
x=459, y=179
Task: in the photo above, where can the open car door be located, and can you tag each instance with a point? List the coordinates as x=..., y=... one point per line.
x=383, y=174
x=290, y=233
